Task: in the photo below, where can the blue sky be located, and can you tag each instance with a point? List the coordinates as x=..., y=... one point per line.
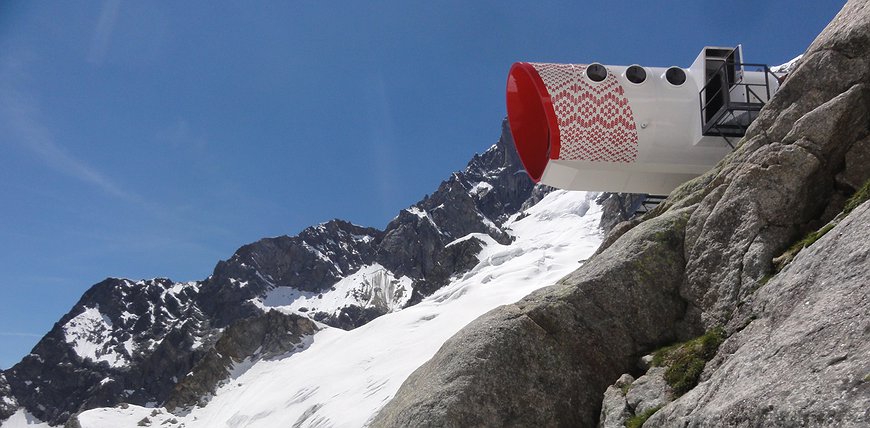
x=151, y=139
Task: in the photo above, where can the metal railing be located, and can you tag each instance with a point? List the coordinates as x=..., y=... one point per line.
x=720, y=104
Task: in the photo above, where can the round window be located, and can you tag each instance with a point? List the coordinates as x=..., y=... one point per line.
x=675, y=76
x=596, y=72
x=635, y=74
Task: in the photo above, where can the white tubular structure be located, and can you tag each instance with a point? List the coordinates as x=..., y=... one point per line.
x=631, y=129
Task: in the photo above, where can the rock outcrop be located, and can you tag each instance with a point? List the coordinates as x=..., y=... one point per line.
x=8, y=405
x=270, y=335
x=630, y=399
x=697, y=262
x=804, y=357
x=619, y=207
x=123, y=341
x=614, y=408
x=648, y=392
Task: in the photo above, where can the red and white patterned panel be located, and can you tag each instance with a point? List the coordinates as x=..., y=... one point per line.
x=595, y=119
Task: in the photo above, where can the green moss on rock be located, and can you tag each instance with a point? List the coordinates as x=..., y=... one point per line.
x=637, y=421
x=783, y=260
x=686, y=361
x=861, y=196
x=812, y=237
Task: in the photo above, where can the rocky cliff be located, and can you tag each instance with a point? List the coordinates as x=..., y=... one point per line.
x=156, y=342
x=795, y=350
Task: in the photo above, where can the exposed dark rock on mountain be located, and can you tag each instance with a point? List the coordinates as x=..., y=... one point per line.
x=476, y=200
x=450, y=260
x=619, y=207
x=695, y=262
x=264, y=336
x=7, y=402
x=511, y=187
x=311, y=261
x=136, y=341
x=119, y=325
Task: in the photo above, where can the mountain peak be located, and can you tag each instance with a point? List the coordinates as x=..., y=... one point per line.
x=337, y=273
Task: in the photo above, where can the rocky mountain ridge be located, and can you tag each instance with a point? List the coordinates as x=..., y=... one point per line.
x=342, y=378
x=137, y=341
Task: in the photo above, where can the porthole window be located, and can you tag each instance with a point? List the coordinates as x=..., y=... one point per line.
x=635, y=74
x=596, y=72
x=675, y=76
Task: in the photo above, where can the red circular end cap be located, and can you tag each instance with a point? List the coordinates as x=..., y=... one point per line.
x=532, y=119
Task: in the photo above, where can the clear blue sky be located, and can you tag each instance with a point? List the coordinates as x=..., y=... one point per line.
x=146, y=139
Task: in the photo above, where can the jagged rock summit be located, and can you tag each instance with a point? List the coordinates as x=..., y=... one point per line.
x=138, y=342
x=796, y=342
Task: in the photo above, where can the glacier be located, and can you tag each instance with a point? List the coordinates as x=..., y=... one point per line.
x=345, y=377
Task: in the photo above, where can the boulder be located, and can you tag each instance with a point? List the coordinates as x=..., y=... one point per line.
x=649, y=391
x=614, y=409
x=618, y=207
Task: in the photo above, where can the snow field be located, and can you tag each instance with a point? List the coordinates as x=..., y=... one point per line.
x=345, y=377
x=370, y=286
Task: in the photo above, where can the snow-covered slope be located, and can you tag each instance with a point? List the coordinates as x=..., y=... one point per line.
x=137, y=342
x=371, y=286
x=344, y=377
x=23, y=419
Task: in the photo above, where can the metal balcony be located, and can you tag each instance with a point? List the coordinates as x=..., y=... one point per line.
x=730, y=103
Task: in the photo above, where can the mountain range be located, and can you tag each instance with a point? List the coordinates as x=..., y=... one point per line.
x=163, y=344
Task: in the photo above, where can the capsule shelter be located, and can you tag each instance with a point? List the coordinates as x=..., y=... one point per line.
x=632, y=129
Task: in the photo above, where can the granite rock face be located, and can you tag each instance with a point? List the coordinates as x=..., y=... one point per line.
x=649, y=391
x=619, y=207
x=780, y=191
x=539, y=363
x=630, y=397
x=804, y=359
x=782, y=182
x=697, y=261
x=614, y=409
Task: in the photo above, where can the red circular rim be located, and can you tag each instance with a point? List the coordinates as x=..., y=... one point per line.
x=532, y=119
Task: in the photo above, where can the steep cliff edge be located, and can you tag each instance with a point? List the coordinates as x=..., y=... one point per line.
x=797, y=351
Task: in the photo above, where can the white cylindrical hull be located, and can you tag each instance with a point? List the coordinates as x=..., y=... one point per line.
x=615, y=135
